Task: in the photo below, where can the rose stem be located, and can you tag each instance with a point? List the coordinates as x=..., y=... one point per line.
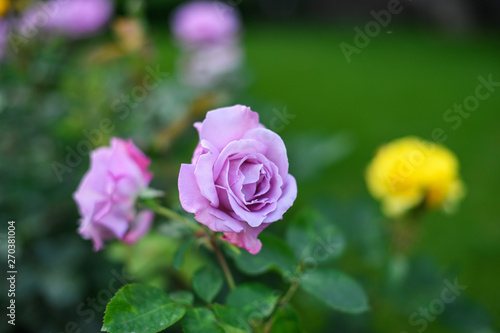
x=223, y=262
x=283, y=301
x=173, y=215
x=289, y=294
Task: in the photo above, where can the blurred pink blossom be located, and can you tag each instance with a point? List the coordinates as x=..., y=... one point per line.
x=201, y=23
x=72, y=19
x=107, y=194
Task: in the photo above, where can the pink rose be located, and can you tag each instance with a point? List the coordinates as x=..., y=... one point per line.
x=73, y=19
x=238, y=181
x=107, y=194
x=200, y=23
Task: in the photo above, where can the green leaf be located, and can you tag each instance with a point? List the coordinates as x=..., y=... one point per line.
x=200, y=320
x=255, y=300
x=275, y=254
x=335, y=289
x=231, y=329
x=181, y=253
x=232, y=319
x=207, y=282
x=183, y=297
x=286, y=321
x=314, y=238
x=140, y=308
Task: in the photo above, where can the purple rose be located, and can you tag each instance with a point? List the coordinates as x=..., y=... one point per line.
x=73, y=19
x=107, y=194
x=238, y=181
x=199, y=23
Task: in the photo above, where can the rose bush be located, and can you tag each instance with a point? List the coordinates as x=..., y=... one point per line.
x=238, y=181
x=107, y=194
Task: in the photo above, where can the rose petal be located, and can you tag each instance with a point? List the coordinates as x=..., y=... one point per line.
x=121, y=163
x=189, y=192
x=276, y=150
x=94, y=232
x=248, y=191
x=218, y=221
x=199, y=148
x=101, y=208
x=275, y=183
x=263, y=186
x=116, y=221
x=225, y=125
x=140, y=227
x=123, y=187
x=142, y=161
x=205, y=177
x=254, y=219
x=238, y=150
x=93, y=185
x=247, y=239
x=251, y=172
x=230, y=178
x=286, y=201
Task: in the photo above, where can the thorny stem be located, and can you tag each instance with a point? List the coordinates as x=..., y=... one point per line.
x=222, y=261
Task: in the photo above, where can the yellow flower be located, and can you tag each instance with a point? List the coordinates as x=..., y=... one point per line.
x=4, y=7
x=410, y=172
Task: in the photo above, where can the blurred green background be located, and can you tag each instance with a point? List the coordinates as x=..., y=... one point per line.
x=401, y=84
